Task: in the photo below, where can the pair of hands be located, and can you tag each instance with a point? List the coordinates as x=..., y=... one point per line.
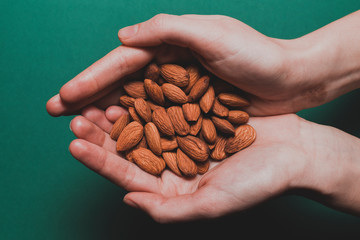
x=289, y=153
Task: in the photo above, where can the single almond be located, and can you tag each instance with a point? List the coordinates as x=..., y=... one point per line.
x=199, y=89
x=194, y=147
x=223, y=125
x=171, y=162
x=162, y=121
x=233, y=100
x=154, y=91
x=135, y=89
x=153, y=106
x=218, y=153
x=208, y=131
x=152, y=72
x=238, y=117
x=244, y=136
x=128, y=155
x=185, y=164
x=141, y=144
x=207, y=100
x=143, y=109
x=195, y=127
x=168, y=144
x=134, y=116
x=153, y=138
x=175, y=74
x=219, y=110
x=174, y=93
x=177, y=119
x=191, y=111
x=119, y=126
x=202, y=167
x=127, y=101
x=130, y=136
x=194, y=75
x=148, y=161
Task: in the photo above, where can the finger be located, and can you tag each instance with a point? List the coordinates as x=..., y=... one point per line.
x=112, y=113
x=97, y=116
x=111, y=68
x=84, y=129
x=110, y=99
x=113, y=167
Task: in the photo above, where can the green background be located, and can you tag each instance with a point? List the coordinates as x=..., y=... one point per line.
x=46, y=194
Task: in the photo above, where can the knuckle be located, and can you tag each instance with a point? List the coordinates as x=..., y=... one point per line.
x=160, y=20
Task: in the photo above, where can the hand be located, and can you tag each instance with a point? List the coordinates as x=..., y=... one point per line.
x=289, y=153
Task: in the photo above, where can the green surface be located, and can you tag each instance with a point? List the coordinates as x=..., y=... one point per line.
x=46, y=194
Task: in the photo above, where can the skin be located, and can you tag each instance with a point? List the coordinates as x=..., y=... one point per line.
x=279, y=76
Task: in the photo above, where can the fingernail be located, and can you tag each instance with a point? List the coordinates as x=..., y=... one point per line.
x=70, y=126
x=128, y=32
x=130, y=203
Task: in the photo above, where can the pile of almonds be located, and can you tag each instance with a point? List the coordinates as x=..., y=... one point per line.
x=179, y=118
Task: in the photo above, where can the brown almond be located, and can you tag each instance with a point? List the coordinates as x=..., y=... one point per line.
x=244, y=136
x=162, y=121
x=175, y=74
x=195, y=127
x=130, y=136
x=220, y=110
x=208, y=131
x=233, y=100
x=218, y=152
x=194, y=75
x=238, y=117
x=171, y=162
x=223, y=125
x=199, y=89
x=207, y=100
x=202, y=167
x=185, y=164
x=194, y=147
x=127, y=101
x=119, y=126
x=177, y=119
x=168, y=144
x=148, y=161
x=154, y=91
x=134, y=116
x=153, y=138
x=135, y=89
x=191, y=111
x=153, y=106
x=174, y=93
x=152, y=72
x=143, y=109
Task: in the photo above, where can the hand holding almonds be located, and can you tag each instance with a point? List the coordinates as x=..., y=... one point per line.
x=181, y=119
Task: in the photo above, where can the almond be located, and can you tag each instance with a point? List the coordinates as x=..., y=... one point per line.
x=219, y=150
x=194, y=147
x=152, y=72
x=208, y=131
x=171, y=162
x=168, y=144
x=154, y=91
x=174, y=93
x=119, y=125
x=143, y=109
x=135, y=116
x=191, y=111
x=148, y=161
x=135, y=89
x=153, y=138
x=202, y=167
x=185, y=164
x=219, y=109
x=127, y=101
x=177, y=119
x=238, y=117
x=199, y=89
x=233, y=100
x=153, y=106
x=194, y=75
x=130, y=136
x=195, y=127
x=223, y=125
x=244, y=136
x=207, y=100
x=162, y=121
x=175, y=74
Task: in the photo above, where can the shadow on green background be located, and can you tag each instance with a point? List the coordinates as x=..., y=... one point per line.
x=46, y=194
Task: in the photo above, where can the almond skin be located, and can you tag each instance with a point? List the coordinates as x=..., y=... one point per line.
x=148, y=161
x=135, y=89
x=152, y=72
x=162, y=121
x=219, y=110
x=168, y=144
x=134, y=116
x=191, y=111
x=208, y=131
x=119, y=126
x=194, y=147
x=195, y=127
x=218, y=152
x=153, y=106
x=194, y=75
x=143, y=109
x=202, y=167
x=199, y=88
x=177, y=118
x=174, y=93
x=153, y=138
x=175, y=74
x=223, y=125
x=127, y=101
x=130, y=136
x=154, y=91
x=244, y=136
x=238, y=117
x=171, y=162
x=185, y=164
x=207, y=100
x=233, y=100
